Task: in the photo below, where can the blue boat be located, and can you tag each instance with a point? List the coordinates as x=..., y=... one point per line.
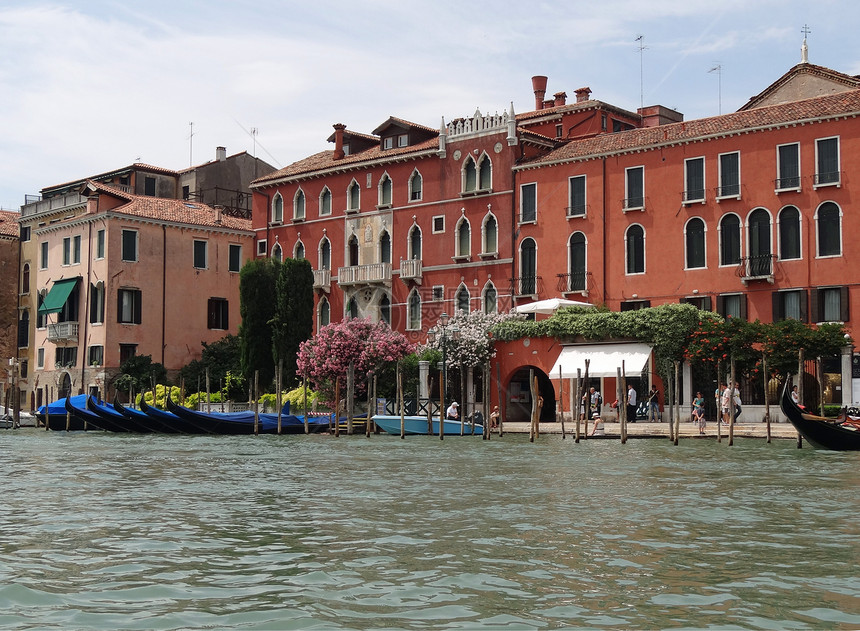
x=117, y=422
x=244, y=422
x=56, y=417
x=417, y=425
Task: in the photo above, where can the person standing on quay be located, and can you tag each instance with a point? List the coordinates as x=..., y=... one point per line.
x=653, y=404
x=631, y=403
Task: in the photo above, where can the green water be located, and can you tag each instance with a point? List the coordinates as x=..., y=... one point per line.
x=101, y=531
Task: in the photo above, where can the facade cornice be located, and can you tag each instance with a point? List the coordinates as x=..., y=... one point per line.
x=346, y=168
x=686, y=141
x=101, y=217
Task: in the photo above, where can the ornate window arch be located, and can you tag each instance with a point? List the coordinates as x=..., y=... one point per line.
x=299, y=205
x=463, y=299
x=277, y=252
x=415, y=242
x=489, y=234
x=353, y=196
x=299, y=250
x=323, y=313
x=463, y=234
x=385, y=309
x=490, y=298
x=384, y=246
x=416, y=186
x=469, y=175
x=384, y=192
x=277, y=208
x=485, y=173
x=325, y=201
x=413, y=311
x=324, y=254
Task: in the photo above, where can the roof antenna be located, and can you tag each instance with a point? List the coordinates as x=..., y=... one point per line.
x=804, y=51
x=719, y=70
x=191, y=145
x=642, y=47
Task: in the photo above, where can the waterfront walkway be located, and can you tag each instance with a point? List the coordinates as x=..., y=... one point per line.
x=658, y=430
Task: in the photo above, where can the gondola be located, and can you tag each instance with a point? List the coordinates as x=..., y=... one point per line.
x=84, y=419
x=821, y=432
x=176, y=423
x=243, y=422
x=158, y=425
x=54, y=416
x=120, y=422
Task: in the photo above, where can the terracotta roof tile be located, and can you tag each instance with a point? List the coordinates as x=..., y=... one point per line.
x=635, y=139
x=172, y=210
x=325, y=160
x=9, y=223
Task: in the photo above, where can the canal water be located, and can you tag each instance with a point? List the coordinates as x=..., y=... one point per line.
x=102, y=531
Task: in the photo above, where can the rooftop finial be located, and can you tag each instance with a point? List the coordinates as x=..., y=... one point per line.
x=804, y=50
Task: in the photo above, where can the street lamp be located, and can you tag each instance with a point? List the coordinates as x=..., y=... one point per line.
x=443, y=333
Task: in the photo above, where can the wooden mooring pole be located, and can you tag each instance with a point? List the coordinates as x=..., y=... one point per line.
x=561, y=401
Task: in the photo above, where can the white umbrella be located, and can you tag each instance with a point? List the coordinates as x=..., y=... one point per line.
x=549, y=306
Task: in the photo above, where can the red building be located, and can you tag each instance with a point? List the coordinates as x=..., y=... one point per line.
x=745, y=213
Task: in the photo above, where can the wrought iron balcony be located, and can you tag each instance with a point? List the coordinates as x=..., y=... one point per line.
x=832, y=177
x=373, y=274
x=63, y=332
x=411, y=269
x=758, y=267
x=693, y=195
x=526, y=285
x=573, y=282
x=322, y=279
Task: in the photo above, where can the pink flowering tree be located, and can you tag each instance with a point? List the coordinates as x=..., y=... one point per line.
x=370, y=346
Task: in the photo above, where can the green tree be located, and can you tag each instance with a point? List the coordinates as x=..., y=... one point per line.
x=220, y=357
x=292, y=323
x=257, y=281
x=138, y=373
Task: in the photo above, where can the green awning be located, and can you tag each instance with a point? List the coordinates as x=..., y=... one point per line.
x=59, y=294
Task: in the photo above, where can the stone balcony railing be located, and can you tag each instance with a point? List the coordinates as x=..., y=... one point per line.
x=322, y=279
x=411, y=269
x=63, y=332
x=373, y=274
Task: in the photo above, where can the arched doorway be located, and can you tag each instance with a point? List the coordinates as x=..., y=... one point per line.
x=518, y=406
x=65, y=386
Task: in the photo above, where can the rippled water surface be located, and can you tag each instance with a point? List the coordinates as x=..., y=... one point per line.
x=101, y=531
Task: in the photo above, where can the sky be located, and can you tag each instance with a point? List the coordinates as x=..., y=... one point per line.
x=94, y=85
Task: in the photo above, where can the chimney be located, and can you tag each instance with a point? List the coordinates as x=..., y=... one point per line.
x=218, y=211
x=582, y=94
x=220, y=154
x=560, y=98
x=338, y=141
x=93, y=203
x=539, y=87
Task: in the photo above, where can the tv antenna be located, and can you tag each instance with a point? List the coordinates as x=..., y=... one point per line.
x=254, y=132
x=642, y=48
x=719, y=70
x=191, y=145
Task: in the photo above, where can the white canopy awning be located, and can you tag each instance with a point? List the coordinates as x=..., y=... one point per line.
x=550, y=305
x=604, y=360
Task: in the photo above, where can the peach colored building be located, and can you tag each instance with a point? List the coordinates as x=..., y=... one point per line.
x=130, y=275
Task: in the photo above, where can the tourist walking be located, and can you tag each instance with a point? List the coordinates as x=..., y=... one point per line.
x=737, y=397
x=725, y=401
x=699, y=412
